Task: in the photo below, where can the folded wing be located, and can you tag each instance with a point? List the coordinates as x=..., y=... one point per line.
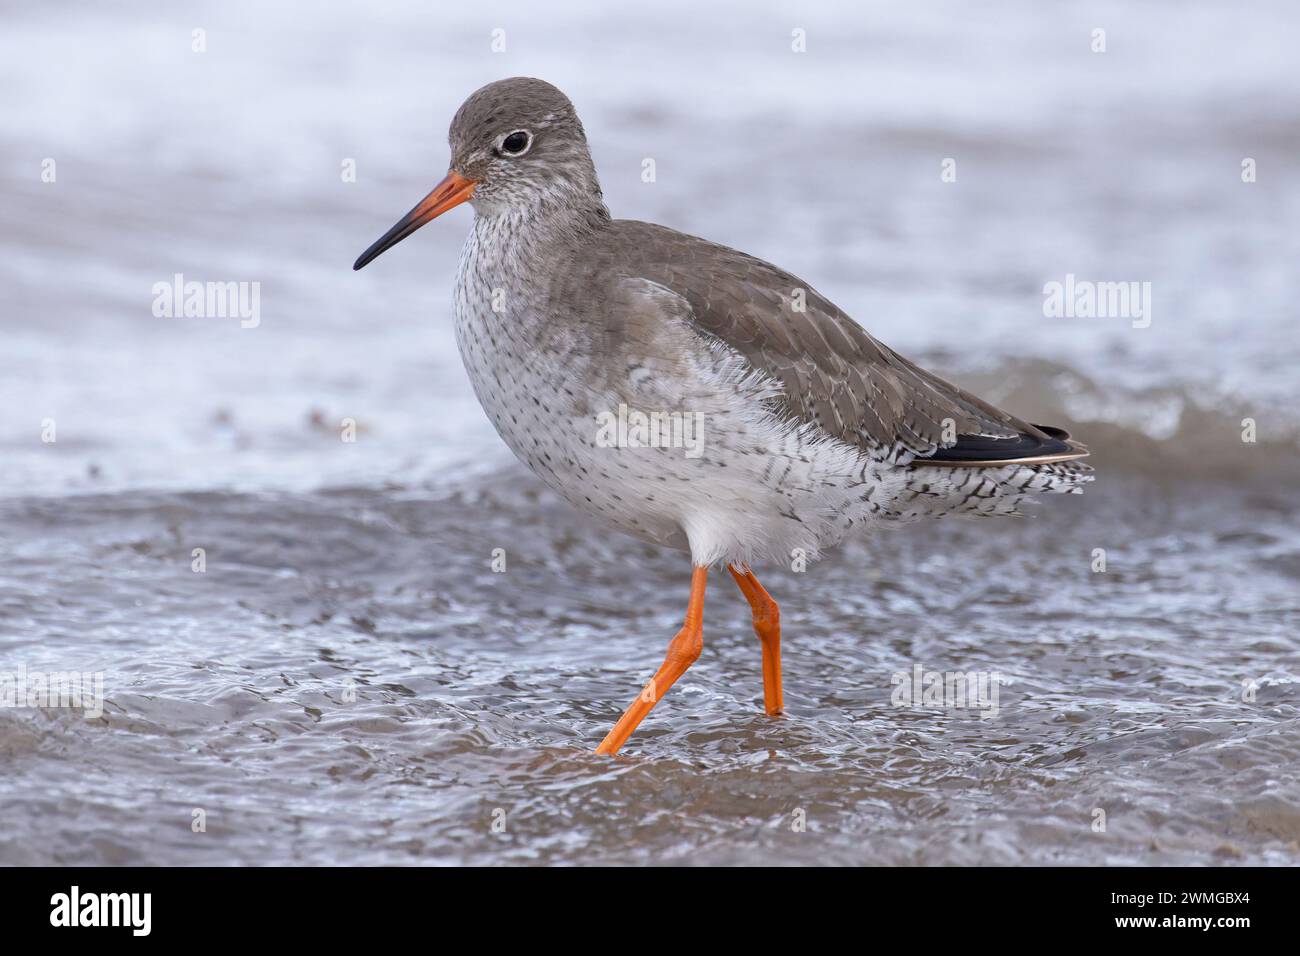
x=834, y=373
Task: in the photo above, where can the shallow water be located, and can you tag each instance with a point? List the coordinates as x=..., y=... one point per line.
x=349, y=681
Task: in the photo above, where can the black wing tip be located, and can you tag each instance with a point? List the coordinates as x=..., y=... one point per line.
x=980, y=450
x=1052, y=431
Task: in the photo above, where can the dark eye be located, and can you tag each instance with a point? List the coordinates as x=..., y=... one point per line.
x=516, y=142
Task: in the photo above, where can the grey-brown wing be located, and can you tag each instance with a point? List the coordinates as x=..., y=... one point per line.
x=833, y=372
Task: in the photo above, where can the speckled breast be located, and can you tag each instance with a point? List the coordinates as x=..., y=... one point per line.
x=541, y=413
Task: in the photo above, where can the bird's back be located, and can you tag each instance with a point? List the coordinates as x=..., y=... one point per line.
x=833, y=374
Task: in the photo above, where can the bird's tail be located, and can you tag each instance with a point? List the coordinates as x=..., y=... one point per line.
x=979, y=476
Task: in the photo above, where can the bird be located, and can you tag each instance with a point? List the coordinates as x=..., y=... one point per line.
x=689, y=394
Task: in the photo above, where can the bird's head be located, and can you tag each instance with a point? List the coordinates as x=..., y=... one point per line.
x=518, y=149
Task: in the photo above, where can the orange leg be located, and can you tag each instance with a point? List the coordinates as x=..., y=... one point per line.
x=682, y=653
x=767, y=625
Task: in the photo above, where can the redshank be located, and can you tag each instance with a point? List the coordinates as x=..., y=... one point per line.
x=755, y=420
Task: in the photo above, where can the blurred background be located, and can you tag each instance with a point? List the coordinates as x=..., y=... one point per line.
x=364, y=563
x=226, y=165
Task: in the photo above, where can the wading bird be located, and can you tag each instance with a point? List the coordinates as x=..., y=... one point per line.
x=810, y=429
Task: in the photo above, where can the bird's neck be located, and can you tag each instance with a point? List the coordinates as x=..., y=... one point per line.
x=529, y=231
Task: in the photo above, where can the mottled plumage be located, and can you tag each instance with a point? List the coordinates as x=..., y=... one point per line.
x=811, y=429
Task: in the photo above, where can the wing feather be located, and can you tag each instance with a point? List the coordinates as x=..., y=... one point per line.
x=832, y=372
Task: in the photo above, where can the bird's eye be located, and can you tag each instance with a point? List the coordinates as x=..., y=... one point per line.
x=516, y=143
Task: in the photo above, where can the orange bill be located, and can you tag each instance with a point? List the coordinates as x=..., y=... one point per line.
x=452, y=191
